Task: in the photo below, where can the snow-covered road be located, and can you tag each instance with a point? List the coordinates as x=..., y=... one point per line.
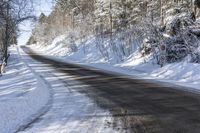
x=86, y=100
x=71, y=111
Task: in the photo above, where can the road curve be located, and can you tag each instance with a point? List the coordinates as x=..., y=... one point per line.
x=134, y=106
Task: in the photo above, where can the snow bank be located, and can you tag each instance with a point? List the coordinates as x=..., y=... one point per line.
x=183, y=73
x=22, y=95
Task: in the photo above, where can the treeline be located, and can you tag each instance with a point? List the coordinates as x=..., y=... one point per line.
x=121, y=24
x=12, y=13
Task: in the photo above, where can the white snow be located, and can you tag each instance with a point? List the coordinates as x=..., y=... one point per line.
x=70, y=108
x=23, y=94
x=182, y=73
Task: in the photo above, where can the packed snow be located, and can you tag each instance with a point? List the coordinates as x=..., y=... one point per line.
x=34, y=98
x=70, y=108
x=23, y=94
x=21, y=87
x=181, y=73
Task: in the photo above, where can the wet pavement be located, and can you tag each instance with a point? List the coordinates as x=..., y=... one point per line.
x=86, y=100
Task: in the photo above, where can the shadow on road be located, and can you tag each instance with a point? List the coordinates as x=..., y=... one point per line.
x=135, y=105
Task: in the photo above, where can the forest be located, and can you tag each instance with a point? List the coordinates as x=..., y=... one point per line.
x=168, y=30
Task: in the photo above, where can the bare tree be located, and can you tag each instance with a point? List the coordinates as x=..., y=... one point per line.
x=12, y=13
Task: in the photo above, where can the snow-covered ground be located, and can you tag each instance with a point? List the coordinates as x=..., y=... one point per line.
x=23, y=94
x=182, y=73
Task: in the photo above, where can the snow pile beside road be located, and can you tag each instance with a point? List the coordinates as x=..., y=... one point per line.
x=182, y=73
x=88, y=50
x=22, y=95
x=57, y=47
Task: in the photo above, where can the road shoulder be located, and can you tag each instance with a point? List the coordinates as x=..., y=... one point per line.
x=23, y=95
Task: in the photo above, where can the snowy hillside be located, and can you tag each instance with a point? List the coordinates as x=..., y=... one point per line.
x=156, y=39
x=183, y=73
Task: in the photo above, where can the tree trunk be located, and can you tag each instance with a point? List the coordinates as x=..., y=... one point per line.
x=111, y=22
x=6, y=40
x=161, y=13
x=191, y=5
x=195, y=11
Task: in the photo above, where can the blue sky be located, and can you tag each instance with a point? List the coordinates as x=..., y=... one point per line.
x=41, y=6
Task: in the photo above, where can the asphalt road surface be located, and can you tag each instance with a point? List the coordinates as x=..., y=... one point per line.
x=94, y=101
